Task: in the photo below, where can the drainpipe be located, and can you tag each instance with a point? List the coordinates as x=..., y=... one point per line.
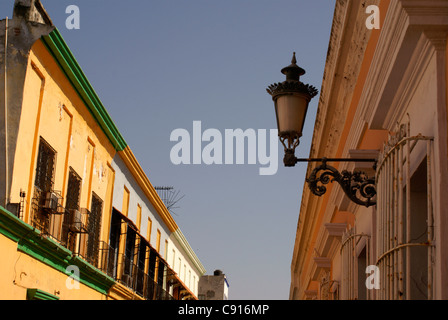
x=6, y=117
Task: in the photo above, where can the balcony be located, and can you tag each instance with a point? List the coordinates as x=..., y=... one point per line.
x=44, y=207
x=127, y=272
x=70, y=227
x=140, y=282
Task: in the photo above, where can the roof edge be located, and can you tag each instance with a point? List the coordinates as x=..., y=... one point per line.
x=59, y=49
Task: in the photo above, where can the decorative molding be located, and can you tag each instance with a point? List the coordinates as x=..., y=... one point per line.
x=389, y=46
x=399, y=43
x=310, y=294
x=37, y=294
x=329, y=237
x=292, y=86
x=325, y=284
x=366, y=167
x=320, y=264
x=335, y=229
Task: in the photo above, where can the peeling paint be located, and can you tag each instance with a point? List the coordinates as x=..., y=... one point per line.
x=85, y=170
x=61, y=107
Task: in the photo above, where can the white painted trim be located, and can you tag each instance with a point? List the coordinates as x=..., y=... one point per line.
x=179, y=236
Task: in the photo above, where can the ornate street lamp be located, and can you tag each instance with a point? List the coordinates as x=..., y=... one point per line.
x=291, y=98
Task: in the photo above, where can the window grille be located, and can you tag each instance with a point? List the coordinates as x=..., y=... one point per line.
x=45, y=167
x=129, y=256
x=404, y=218
x=73, y=190
x=71, y=204
x=93, y=229
x=114, y=244
x=45, y=201
x=353, y=265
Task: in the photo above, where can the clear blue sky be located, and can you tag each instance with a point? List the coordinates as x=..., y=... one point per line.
x=160, y=65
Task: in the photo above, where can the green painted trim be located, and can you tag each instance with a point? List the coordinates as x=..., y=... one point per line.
x=61, y=52
x=30, y=241
x=91, y=276
x=14, y=228
x=37, y=294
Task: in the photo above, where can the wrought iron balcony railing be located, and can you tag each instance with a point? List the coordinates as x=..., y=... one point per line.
x=69, y=227
x=125, y=271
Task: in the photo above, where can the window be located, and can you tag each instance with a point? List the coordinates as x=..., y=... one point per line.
x=111, y=259
x=141, y=261
x=166, y=250
x=139, y=216
x=152, y=264
x=73, y=190
x=93, y=229
x=158, y=241
x=149, y=229
x=404, y=219
x=362, y=265
x=45, y=201
x=161, y=273
x=45, y=167
x=353, y=266
x=126, y=196
x=72, y=209
x=129, y=254
x=189, y=279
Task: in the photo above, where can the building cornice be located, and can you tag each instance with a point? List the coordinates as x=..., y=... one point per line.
x=179, y=236
x=139, y=175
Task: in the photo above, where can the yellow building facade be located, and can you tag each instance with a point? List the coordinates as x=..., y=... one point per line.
x=66, y=226
x=383, y=96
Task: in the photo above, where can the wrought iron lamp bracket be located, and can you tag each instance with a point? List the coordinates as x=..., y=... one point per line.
x=360, y=188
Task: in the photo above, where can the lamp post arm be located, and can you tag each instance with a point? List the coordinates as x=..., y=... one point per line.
x=356, y=185
x=323, y=160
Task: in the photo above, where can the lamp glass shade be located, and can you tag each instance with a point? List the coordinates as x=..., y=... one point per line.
x=291, y=111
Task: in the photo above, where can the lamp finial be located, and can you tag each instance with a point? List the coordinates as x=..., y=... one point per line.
x=294, y=60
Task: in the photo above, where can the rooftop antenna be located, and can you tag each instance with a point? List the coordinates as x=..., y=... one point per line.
x=170, y=197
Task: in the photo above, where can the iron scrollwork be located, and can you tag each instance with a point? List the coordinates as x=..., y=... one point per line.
x=356, y=185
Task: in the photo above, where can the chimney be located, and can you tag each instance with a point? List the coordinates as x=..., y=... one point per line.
x=217, y=273
x=32, y=11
